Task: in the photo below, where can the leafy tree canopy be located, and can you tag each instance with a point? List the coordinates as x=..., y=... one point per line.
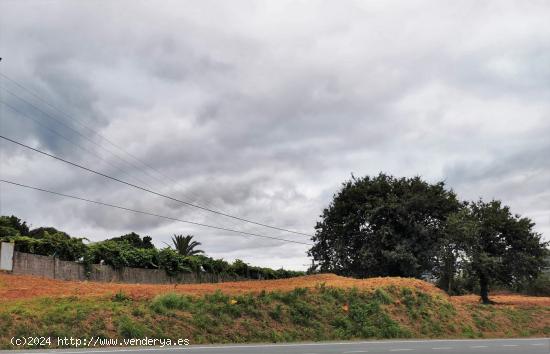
x=13, y=226
x=383, y=226
x=135, y=240
x=41, y=232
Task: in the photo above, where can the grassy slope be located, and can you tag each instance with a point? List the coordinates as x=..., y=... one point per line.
x=320, y=313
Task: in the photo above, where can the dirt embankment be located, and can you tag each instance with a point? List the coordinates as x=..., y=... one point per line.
x=25, y=286
x=319, y=307
x=14, y=287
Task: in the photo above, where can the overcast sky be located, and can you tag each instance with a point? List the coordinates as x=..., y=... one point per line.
x=263, y=108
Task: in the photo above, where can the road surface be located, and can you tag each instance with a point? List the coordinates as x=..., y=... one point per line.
x=488, y=346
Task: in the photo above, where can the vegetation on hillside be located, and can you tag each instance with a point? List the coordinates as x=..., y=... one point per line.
x=387, y=226
x=321, y=313
x=130, y=250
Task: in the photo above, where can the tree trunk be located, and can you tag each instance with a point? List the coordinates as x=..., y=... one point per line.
x=484, y=289
x=450, y=276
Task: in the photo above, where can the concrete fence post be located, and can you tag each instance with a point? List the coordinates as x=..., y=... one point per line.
x=6, y=256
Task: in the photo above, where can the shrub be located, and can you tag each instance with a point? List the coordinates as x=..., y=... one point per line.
x=276, y=313
x=170, y=301
x=382, y=296
x=120, y=297
x=172, y=262
x=301, y=313
x=128, y=328
x=57, y=244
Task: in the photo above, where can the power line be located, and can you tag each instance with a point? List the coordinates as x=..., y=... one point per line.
x=149, y=190
x=151, y=214
x=96, y=133
x=79, y=121
x=69, y=127
x=53, y=131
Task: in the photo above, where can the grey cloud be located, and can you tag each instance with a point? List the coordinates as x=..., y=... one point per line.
x=262, y=111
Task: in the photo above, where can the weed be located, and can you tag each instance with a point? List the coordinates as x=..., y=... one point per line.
x=128, y=328
x=120, y=296
x=138, y=312
x=324, y=313
x=276, y=313
x=171, y=301
x=5, y=322
x=468, y=332
x=204, y=322
x=216, y=297
x=382, y=296
x=301, y=313
x=300, y=292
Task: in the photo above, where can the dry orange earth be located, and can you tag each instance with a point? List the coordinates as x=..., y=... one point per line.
x=13, y=287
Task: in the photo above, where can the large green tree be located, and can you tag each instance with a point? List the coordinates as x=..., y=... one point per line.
x=383, y=226
x=499, y=247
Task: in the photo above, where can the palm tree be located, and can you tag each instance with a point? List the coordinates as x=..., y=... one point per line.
x=185, y=246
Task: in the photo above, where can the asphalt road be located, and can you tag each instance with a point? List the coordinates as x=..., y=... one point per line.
x=489, y=346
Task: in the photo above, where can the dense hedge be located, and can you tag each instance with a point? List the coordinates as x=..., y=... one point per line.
x=58, y=245
x=125, y=251
x=122, y=254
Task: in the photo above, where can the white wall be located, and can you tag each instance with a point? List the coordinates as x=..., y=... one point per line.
x=6, y=256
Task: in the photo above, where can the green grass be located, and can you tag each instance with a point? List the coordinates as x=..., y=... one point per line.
x=164, y=304
x=323, y=313
x=129, y=328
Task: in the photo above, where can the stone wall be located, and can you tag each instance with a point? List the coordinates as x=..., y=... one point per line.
x=50, y=267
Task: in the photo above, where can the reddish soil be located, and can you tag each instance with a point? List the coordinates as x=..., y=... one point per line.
x=14, y=287
x=26, y=286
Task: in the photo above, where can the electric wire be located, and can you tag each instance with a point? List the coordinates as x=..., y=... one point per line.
x=69, y=127
x=53, y=131
x=151, y=214
x=146, y=189
x=73, y=119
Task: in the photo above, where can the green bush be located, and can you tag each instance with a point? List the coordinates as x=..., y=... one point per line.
x=172, y=262
x=302, y=313
x=276, y=313
x=128, y=328
x=214, y=266
x=382, y=296
x=171, y=301
x=67, y=249
x=122, y=254
x=120, y=297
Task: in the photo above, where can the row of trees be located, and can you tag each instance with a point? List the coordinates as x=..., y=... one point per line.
x=387, y=226
x=130, y=250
